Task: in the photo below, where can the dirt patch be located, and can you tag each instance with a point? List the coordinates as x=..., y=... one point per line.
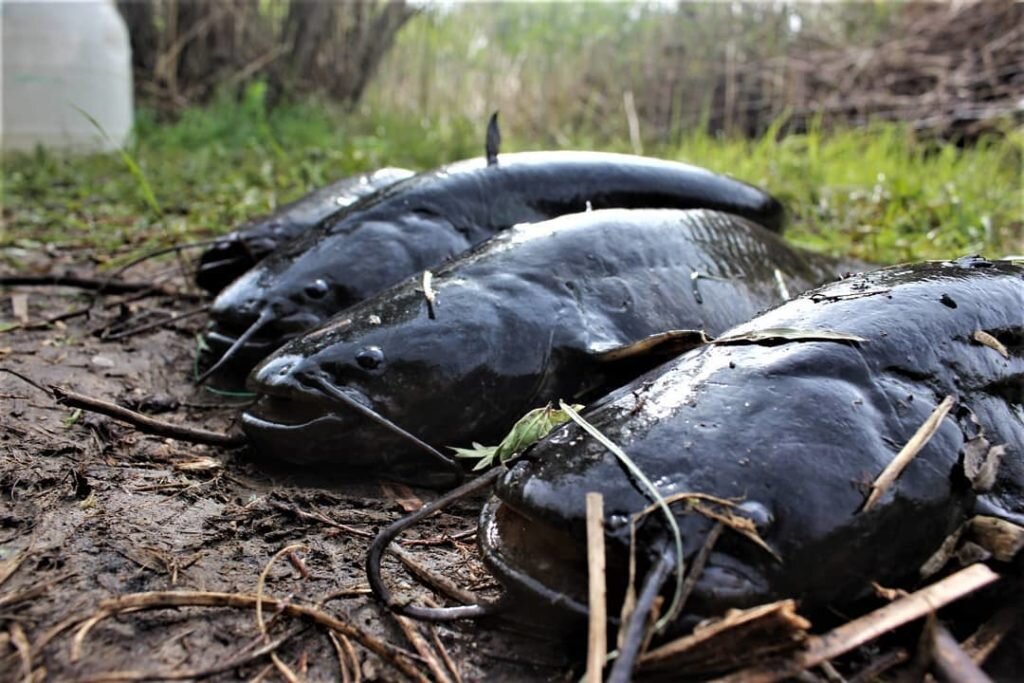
x=91, y=510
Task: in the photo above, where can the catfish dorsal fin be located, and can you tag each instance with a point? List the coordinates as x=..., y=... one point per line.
x=493, y=143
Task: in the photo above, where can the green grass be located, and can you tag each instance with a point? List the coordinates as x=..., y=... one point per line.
x=875, y=193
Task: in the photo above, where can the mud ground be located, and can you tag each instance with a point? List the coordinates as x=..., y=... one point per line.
x=91, y=509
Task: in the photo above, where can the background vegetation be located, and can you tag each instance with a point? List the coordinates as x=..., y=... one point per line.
x=725, y=86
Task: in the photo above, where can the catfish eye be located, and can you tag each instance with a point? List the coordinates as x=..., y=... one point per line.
x=370, y=357
x=317, y=289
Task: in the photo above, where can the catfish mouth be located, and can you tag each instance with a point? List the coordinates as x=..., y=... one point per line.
x=309, y=418
x=219, y=342
x=300, y=428
x=542, y=563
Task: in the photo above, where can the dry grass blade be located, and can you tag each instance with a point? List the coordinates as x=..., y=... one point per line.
x=413, y=635
x=986, y=339
x=629, y=601
x=428, y=293
x=864, y=629
x=401, y=660
x=741, y=525
x=697, y=568
x=918, y=441
x=342, y=658
x=350, y=650
x=445, y=657
x=286, y=673
x=261, y=582
x=21, y=644
x=597, y=633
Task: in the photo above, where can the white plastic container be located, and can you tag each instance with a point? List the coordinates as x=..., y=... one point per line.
x=57, y=56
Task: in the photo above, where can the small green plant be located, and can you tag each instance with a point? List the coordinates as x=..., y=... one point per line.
x=530, y=428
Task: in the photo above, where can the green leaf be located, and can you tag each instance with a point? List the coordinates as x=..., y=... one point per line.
x=530, y=429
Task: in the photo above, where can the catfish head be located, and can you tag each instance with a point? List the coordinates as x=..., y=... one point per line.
x=393, y=380
x=318, y=274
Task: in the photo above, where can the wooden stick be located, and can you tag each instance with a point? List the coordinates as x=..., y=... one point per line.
x=79, y=283
x=597, y=633
x=855, y=633
x=144, y=423
x=918, y=441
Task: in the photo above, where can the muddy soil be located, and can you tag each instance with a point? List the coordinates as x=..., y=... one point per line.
x=91, y=509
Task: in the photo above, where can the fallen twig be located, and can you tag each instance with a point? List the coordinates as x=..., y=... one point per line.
x=82, y=283
x=918, y=441
x=855, y=633
x=400, y=659
x=144, y=423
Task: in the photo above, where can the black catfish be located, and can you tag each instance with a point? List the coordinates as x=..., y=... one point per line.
x=239, y=250
x=790, y=422
x=419, y=222
x=563, y=308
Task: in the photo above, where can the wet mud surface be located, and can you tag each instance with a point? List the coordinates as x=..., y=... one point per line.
x=91, y=509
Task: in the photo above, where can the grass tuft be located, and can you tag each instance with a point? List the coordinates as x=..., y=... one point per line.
x=876, y=193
